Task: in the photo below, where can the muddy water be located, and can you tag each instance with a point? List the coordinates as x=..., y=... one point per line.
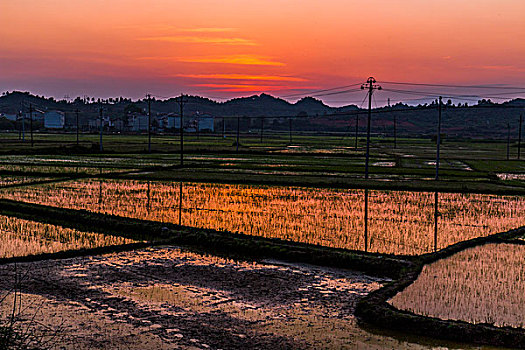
x=166, y=298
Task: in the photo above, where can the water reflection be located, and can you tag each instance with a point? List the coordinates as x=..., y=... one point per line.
x=149, y=196
x=436, y=217
x=485, y=284
x=397, y=222
x=180, y=204
x=100, y=187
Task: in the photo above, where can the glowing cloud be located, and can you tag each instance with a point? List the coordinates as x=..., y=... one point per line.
x=67, y=43
x=201, y=40
x=241, y=77
x=207, y=30
x=238, y=59
x=243, y=87
x=504, y=67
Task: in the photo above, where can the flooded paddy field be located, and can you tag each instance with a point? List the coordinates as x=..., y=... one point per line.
x=267, y=164
x=60, y=170
x=20, y=180
x=92, y=161
x=400, y=222
x=25, y=237
x=166, y=298
x=484, y=284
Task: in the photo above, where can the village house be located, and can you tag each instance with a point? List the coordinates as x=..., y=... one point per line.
x=170, y=121
x=94, y=124
x=138, y=123
x=11, y=117
x=203, y=122
x=54, y=120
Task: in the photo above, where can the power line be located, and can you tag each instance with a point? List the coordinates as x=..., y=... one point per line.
x=322, y=90
x=337, y=92
x=456, y=86
x=362, y=102
x=431, y=94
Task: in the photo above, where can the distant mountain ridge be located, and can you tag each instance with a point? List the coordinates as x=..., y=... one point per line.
x=486, y=119
x=256, y=105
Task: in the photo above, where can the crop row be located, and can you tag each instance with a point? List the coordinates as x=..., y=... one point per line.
x=400, y=222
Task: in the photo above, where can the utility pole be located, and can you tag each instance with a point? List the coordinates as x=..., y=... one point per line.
x=149, y=122
x=436, y=194
x=370, y=86
x=19, y=126
x=101, y=129
x=31, y=122
x=395, y=126
x=262, y=128
x=76, y=112
x=238, y=131
x=181, y=100
x=65, y=117
x=519, y=137
x=23, y=126
x=290, y=129
x=223, y=128
x=395, y=131
x=438, y=138
x=508, y=141
x=356, y=128
x=197, y=120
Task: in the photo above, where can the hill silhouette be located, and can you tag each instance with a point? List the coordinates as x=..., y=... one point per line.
x=483, y=120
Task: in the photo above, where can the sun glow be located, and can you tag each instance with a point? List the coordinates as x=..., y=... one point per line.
x=73, y=47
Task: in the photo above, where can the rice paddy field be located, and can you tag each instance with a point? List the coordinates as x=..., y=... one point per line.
x=164, y=297
x=8, y=162
x=19, y=180
x=485, y=284
x=168, y=298
x=58, y=170
x=400, y=222
x=24, y=237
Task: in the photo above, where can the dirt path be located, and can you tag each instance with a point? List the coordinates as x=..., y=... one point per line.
x=165, y=298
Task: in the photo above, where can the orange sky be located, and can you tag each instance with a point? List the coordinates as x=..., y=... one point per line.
x=233, y=47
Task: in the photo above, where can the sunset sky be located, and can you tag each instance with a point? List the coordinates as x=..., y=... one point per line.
x=228, y=48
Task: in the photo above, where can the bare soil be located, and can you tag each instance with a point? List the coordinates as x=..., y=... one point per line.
x=166, y=298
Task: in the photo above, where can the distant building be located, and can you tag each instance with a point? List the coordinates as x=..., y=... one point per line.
x=94, y=124
x=170, y=121
x=54, y=120
x=37, y=116
x=205, y=122
x=119, y=124
x=200, y=122
x=11, y=117
x=138, y=123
